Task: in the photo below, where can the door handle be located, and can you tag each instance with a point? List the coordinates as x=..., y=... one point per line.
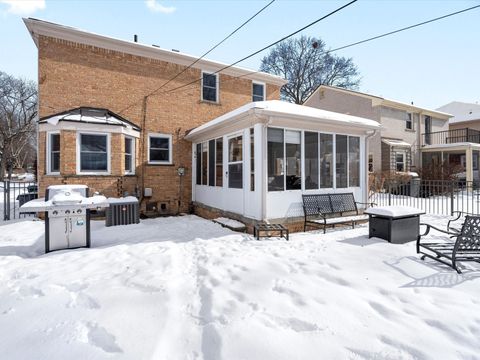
x=66, y=226
x=71, y=227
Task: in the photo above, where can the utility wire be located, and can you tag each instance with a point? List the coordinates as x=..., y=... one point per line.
x=379, y=36
x=208, y=52
x=268, y=46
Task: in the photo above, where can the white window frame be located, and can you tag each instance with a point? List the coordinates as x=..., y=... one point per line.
x=409, y=119
x=133, y=162
x=404, y=162
x=78, y=157
x=48, y=153
x=264, y=89
x=170, y=149
x=217, y=86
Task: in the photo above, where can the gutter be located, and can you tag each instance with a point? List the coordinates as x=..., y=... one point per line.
x=367, y=138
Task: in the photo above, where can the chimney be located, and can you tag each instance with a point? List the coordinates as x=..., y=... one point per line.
x=135, y=38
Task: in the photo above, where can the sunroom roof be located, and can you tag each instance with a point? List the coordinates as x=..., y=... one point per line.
x=90, y=115
x=288, y=110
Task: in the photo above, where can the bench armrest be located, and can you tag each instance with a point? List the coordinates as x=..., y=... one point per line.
x=451, y=233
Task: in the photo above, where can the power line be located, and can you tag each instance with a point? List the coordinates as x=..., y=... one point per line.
x=379, y=36
x=268, y=46
x=208, y=52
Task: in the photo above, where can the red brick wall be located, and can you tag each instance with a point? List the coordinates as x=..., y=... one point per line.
x=73, y=75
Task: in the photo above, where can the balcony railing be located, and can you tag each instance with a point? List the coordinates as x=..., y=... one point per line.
x=451, y=137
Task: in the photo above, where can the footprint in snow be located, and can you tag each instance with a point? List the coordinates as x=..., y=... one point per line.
x=98, y=336
x=29, y=291
x=82, y=300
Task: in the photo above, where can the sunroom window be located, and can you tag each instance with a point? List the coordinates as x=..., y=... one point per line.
x=93, y=152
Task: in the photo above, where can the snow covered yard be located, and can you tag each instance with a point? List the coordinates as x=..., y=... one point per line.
x=186, y=288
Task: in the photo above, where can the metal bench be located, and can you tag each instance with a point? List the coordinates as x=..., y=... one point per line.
x=466, y=246
x=322, y=210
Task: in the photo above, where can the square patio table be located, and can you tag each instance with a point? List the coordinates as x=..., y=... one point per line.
x=396, y=224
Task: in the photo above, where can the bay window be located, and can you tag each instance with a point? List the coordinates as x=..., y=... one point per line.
x=53, y=153
x=94, y=153
x=129, y=155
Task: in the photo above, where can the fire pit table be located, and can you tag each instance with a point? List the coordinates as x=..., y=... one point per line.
x=396, y=224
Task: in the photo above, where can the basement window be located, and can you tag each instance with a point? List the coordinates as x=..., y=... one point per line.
x=159, y=149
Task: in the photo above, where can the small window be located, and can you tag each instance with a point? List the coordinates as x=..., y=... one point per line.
x=209, y=87
x=370, y=162
x=93, y=153
x=129, y=155
x=54, y=153
x=159, y=149
x=400, y=161
x=258, y=92
x=409, y=121
x=219, y=162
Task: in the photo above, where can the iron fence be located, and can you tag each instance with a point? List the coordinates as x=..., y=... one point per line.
x=15, y=194
x=441, y=197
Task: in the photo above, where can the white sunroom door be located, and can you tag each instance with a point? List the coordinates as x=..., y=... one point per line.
x=234, y=195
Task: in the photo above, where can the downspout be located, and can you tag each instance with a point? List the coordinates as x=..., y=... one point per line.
x=142, y=150
x=367, y=138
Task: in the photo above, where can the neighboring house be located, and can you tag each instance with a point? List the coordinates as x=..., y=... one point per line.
x=459, y=146
x=104, y=123
x=397, y=147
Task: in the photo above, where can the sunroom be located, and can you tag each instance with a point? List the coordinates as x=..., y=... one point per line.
x=258, y=160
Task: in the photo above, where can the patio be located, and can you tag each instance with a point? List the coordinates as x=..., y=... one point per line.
x=159, y=290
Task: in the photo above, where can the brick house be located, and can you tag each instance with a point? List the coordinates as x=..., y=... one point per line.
x=98, y=126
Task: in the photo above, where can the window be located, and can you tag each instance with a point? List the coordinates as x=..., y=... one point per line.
x=211, y=163
x=235, y=162
x=353, y=161
x=129, y=155
x=204, y=163
x=370, y=162
x=94, y=153
x=409, y=121
x=159, y=149
x=428, y=130
x=252, y=160
x=53, y=146
x=293, y=160
x=276, y=178
x=199, y=164
x=219, y=163
x=311, y=160
x=258, y=92
x=209, y=87
x=400, y=161
x=326, y=161
x=341, y=160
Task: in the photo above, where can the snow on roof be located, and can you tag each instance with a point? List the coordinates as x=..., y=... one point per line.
x=395, y=142
x=286, y=109
x=461, y=111
x=89, y=115
x=38, y=27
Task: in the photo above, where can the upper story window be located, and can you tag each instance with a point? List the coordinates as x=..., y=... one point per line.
x=94, y=153
x=258, y=92
x=129, y=155
x=159, y=149
x=53, y=151
x=409, y=121
x=210, y=87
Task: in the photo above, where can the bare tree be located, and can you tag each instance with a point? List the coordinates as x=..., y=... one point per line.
x=306, y=64
x=18, y=112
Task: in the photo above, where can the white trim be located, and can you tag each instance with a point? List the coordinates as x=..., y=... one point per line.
x=133, y=154
x=264, y=89
x=217, y=87
x=48, y=153
x=170, y=149
x=78, y=153
x=78, y=126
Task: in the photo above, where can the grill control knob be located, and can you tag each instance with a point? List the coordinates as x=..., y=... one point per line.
x=55, y=212
x=79, y=211
x=67, y=211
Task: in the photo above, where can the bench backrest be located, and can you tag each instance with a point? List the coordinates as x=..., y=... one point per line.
x=469, y=238
x=324, y=204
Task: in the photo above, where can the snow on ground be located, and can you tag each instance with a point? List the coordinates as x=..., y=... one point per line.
x=186, y=288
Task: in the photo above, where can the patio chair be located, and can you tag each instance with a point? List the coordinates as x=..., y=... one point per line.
x=456, y=247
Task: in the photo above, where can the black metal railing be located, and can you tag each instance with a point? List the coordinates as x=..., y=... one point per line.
x=451, y=137
x=15, y=194
x=441, y=197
